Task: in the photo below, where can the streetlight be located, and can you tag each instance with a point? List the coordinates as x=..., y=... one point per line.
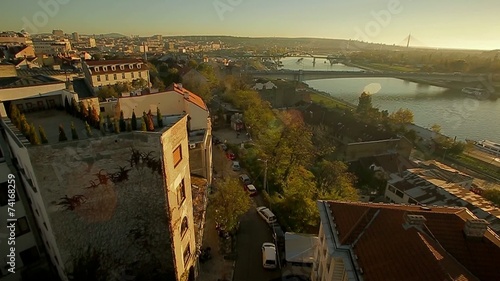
x=265, y=174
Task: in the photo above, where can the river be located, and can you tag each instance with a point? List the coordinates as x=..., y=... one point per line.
x=458, y=115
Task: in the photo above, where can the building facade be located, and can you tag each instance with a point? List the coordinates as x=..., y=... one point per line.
x=52, y=47
x=111, y=72
x=125, y=198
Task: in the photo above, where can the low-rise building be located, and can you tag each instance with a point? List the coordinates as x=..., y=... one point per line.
x=366, y=241
x=110, y=72
x=439, y=187
x=52, y=47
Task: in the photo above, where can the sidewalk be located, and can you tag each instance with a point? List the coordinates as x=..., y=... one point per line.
x=216, y=268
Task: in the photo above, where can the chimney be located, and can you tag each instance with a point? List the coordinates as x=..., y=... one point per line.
x=475, y=228
x=414, y=220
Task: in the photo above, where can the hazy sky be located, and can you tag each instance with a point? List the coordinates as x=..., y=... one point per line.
x=442, y=23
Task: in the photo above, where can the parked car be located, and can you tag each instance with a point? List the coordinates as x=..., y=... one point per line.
x=230, y=156
x=245, y=179
x=215, y=140
x=266, y=214
x=269, y=255
x=279, y=236
x=252, y=190
x=223, y=146
x=236, y=166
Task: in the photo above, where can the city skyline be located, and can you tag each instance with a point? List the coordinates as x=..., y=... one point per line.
x=469, y=26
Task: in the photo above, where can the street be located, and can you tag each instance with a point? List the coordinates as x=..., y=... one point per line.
x=253, y=230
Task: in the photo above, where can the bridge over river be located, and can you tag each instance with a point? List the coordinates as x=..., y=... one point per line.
x=303, y=75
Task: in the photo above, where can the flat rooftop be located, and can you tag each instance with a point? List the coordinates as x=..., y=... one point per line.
x=51, y=119
x=35, y=80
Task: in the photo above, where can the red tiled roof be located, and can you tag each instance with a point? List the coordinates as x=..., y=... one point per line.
x=439, y=251
x=192, y=98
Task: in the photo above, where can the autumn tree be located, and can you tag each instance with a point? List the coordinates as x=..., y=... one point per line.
x=43, y=135
x=402, y=116
x=24, y=125
x=15, y=115
x=149, y=122
x=230, y=202
x=33, y=136
x=62, y=134
x=84, y=113
x=94, y=117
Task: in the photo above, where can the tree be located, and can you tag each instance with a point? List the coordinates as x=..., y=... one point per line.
x=365, y=103
x=436, y=128
x=134, y=121
x=62, y=134
x=88, y=129
x=143, y=126
x=116, y=126
x=333, y=181
x=159, y=118
x=402, y=116
x=149, y=122
x=107, y=92
x=158, y=83
x=493, y=195
x=43, y=136
x=74, y=107
x=34, y=139
x=84, y=113
x=139, y=84
x=74, y=134
x=15, y=115
x=67, y=106
x=123, y=126
x=129, y=126
x=25, y=127
x=94, y=117
x=230, y=202
x=192, y=63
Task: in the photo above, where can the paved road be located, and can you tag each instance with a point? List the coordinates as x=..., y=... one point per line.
x=253, y=232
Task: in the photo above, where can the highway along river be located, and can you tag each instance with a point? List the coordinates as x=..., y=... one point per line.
x=458, y=114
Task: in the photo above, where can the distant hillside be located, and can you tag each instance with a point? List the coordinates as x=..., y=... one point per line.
x=111, y=35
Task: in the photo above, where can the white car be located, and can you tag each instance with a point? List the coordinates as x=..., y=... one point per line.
x=266, y=214
x=269, y=255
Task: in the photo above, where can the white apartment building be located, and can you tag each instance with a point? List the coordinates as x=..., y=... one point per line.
x=52, y=47
x=110, y=72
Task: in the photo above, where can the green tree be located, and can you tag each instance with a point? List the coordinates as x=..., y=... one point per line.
x=230, y=202
x=107, y=92
x=493, y=195
x=62, y=134
x=123, y=125
x=159, y=118
x=333, y=181
x=436, y=128
x=34, y=139
x=43, y=135
x=144, y=128
x=134, y=121
x=74, y=134
x=88, y=129
x=365, y=103
x=158, y=84
x=192, y=64
x=25, y=127
x=129, y=126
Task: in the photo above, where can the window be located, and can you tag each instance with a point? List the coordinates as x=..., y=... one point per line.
x=107, y=77
x=98, y=78
x=131, y=73
x=29, y=256
x=105, y=68
x=102, y=109
x=123, y=75
x=4, y=194
x=96, y=69
x=139, y=66
x=392, y=189
x=184, y=226
x=140, y=74
x=187, y=254
x=22, y=226
x=130, y=66
x=113, y=68
x=52, y=103
x=122, y=67
x=114, y=76
x=29, y=105
x=177, y=154
x=40, y=104
x=399, y=193
x=181, y=193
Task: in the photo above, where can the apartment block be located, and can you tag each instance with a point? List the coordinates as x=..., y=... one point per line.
x=110, y=72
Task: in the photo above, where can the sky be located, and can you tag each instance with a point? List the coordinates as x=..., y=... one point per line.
x=445, y=23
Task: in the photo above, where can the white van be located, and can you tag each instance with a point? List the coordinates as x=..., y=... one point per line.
x=266, y=214
x=268, y=255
